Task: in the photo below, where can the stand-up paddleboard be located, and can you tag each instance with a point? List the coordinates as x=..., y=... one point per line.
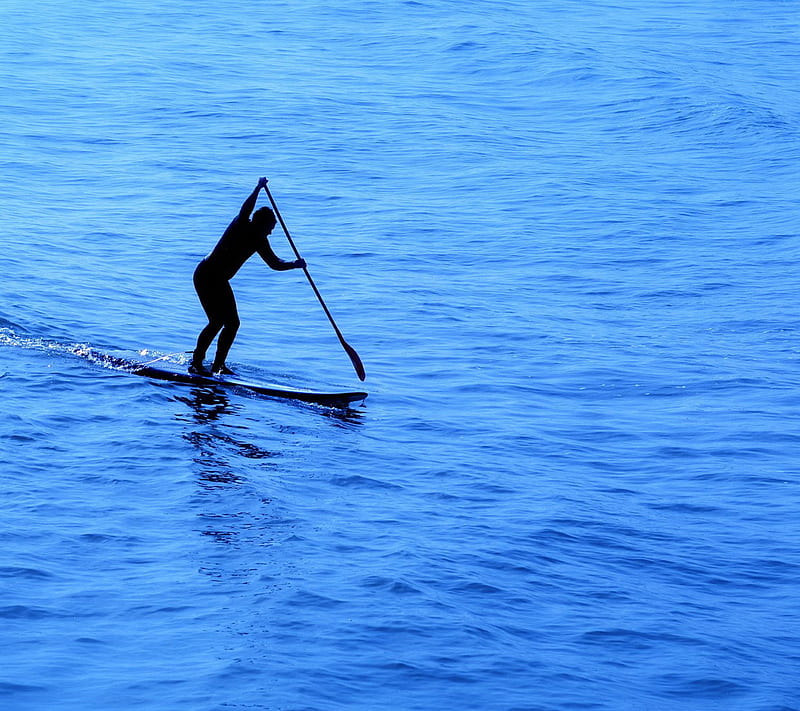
x=164, y=369
x=178, y=374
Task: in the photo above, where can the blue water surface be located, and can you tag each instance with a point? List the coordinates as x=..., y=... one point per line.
x=563, y=238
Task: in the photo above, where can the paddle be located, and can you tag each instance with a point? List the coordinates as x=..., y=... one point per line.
x=357, y=364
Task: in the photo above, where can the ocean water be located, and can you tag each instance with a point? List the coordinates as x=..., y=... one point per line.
x=563, y=237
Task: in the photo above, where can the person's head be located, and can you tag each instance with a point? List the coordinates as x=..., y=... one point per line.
x=264, y=220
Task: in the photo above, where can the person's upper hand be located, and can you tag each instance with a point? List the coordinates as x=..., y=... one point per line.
x=262, y=183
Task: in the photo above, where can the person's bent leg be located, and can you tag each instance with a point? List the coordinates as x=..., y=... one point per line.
x=224, y=343
x=203, y=342
x=229, y=315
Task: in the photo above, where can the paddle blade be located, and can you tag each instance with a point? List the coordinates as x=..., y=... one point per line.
x=354, y=358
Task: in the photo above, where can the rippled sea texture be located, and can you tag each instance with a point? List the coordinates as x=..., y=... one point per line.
x=562, y=237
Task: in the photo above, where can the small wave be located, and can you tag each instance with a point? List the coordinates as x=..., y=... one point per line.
x=27, y=612
x=27, y=573
x=6, y=325
x=10, y=688
x=9, y=337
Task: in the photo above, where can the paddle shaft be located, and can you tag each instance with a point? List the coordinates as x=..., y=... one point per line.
x=354, y=357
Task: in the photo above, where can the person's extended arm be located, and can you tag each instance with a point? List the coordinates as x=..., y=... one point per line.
x=249, y=205
x=275, y=262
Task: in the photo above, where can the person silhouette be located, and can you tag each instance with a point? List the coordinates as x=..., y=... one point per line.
x=243, y=237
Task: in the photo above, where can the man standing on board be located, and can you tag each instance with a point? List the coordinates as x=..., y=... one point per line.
x=241, y=240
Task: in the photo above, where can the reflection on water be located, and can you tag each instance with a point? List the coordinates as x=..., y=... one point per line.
x=213, y=442
x=342, y=418
x=207, y=404
x=231, y=508
x=234, y=505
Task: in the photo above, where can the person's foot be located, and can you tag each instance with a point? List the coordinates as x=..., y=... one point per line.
x=222, y=370
x=199, y=369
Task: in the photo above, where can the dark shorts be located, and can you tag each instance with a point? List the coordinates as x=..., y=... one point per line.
x=216, y=295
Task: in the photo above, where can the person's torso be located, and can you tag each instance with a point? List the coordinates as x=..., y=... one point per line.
x=238, y=243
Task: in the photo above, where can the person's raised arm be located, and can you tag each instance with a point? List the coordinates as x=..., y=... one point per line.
x=249, y=205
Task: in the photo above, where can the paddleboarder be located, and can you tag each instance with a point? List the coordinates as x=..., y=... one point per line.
x=244, y=237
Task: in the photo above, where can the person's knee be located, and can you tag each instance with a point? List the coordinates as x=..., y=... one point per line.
x=215, y=325
x=232, y=324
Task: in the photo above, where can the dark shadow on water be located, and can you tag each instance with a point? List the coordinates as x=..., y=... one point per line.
x=214, y=445
x=212, y=413
x=237, y=445
x=207, y=404
x=234, y=509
